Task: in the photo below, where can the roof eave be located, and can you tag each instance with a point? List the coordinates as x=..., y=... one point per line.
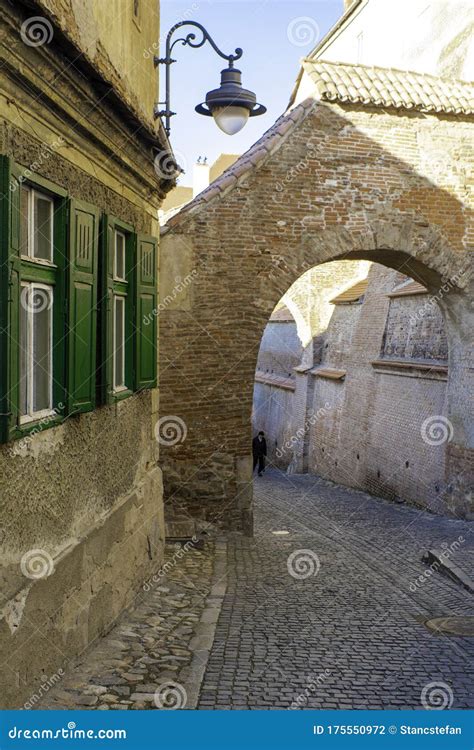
x=326, y=38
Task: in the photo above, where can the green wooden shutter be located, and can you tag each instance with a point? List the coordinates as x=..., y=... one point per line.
x=145, y=313
x=82, y=306
x=10, y=223
x=106, y=309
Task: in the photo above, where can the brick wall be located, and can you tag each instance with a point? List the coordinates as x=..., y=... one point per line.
x=327, y=182
x=376, y=444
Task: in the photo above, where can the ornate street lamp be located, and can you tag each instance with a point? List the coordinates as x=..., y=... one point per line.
x=230, y=105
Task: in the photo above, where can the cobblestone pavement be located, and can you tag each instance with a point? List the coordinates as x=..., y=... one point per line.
x=155, y=656
x=343, y=629
x=328, y=615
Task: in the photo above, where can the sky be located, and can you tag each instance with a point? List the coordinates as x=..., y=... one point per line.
x=274, y=35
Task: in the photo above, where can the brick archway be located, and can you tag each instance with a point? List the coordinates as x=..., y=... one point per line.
x=228, y=257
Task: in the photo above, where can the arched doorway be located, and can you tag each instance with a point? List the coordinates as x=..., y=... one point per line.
x=250, y=236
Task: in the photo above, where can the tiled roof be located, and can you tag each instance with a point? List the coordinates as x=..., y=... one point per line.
x=329, y=373
x=269, y=378
x=408, y=288
x=352, y=294
x=387, y=87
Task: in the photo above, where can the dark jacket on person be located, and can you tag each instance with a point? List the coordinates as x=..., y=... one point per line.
x=259, y=447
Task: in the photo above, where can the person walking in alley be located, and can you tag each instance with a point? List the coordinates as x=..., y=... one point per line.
x=259, y=450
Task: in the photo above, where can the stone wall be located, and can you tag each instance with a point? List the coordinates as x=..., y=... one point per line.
x=83, y=498
x=326, y=182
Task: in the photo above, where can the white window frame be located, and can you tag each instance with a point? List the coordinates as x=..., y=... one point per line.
x=118, y=387
x=31, y=415
x=116, y=276
x=32, y=194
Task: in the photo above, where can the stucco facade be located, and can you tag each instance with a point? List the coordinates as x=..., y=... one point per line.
x=76, y=110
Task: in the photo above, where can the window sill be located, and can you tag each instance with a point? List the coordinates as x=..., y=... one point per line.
x=38, y=261
x=121, y=394
x=38, y=417
x=25, y=429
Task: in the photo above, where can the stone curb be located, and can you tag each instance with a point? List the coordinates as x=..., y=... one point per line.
x=447, y=567
x=202, y=641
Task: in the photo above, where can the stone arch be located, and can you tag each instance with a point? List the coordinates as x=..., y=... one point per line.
x=424, y=258
x=394, y=242
x=246, y=248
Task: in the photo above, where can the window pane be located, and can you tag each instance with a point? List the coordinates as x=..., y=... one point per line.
x=41, y=306
x=24, y=207
x=24, y=350
x=43, y=229
x=119, y=342
x=119, y=255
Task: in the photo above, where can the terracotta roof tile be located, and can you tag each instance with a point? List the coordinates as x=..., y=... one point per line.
x=329, y=373
x=388, y=87
x=352, y=294
x=269, y=378
x=408, y=288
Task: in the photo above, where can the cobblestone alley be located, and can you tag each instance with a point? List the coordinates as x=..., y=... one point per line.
x=327, y=615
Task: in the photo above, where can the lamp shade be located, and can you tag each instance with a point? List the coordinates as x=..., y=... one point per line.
x=230, y=104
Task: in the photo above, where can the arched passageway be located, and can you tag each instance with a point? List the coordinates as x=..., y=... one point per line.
x=351, y=383
x=327, y=182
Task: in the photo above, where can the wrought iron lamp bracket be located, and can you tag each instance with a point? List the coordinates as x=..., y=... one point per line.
x=189, y=40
